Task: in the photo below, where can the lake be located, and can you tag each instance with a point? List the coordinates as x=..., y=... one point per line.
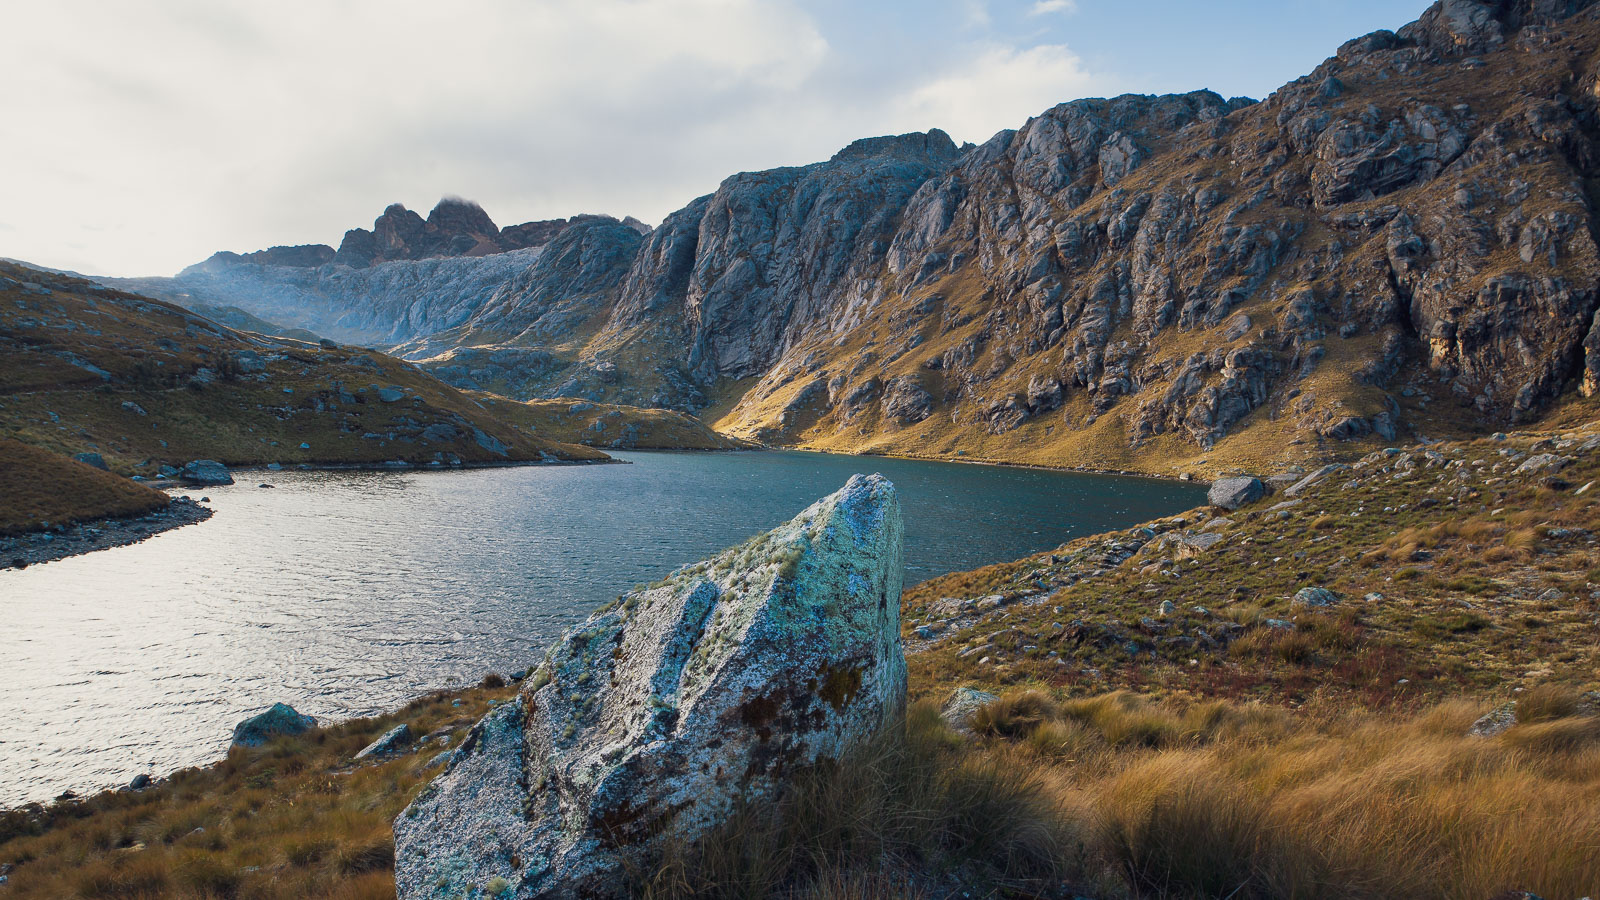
x=348, y=593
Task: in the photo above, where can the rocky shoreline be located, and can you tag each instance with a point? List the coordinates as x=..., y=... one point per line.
x=33, y=548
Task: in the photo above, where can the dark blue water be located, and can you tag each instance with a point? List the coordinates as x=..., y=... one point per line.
x=346, y=593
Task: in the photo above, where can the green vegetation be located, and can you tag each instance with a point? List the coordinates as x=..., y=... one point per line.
x=39, y=487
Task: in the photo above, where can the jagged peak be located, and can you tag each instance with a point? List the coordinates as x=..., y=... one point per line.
x=933, y=143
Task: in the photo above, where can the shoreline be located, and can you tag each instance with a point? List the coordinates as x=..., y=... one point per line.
x=998, y=463
x=39, y=547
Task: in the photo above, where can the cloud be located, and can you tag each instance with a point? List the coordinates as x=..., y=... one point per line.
x=152, y=134
x=1046, y=7
x=1000, y=88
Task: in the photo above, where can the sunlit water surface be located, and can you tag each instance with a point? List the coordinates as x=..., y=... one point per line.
x=347, y=593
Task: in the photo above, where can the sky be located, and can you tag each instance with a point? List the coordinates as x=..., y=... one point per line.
x=143, y=135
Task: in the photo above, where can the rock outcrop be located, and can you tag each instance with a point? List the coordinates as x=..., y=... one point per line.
x=657, y=714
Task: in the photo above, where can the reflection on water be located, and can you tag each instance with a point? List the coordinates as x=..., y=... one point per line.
x=346, y=593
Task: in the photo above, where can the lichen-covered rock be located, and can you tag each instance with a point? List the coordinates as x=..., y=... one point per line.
x=962, y=704
x=657, y=714
x=1313, y=598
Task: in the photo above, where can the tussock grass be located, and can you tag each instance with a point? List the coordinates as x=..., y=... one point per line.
x=895, y=819
x=1244, y=800
x=37, y=486
x=1113, y=795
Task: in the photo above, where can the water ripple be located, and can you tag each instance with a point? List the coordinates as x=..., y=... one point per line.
x=348, y=593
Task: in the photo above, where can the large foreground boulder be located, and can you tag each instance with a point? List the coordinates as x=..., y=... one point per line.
x=658, y=714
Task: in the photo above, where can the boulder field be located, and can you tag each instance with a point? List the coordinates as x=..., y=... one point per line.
x=658, y=714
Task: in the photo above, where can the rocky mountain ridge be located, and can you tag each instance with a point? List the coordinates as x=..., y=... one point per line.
x=1399, y=243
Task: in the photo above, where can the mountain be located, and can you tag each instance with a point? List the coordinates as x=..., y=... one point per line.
x=88, y=369
x=1401, y=243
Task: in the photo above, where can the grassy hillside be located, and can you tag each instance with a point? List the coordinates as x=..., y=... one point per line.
x=38, y=487
x=1463, y=568
x=610, y=425
x=1233, y=744
x=146, y=384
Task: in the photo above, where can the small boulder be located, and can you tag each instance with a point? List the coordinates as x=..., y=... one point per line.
x=1313, y=598
x=139, y=782
x=391, y=394
x=1542, y=464
x=964, y=702
x=280, y=719
x=1232, y=493
x=1315, y=477
x=395, y=740
x=92, y=459
x=205, y=472
x=1495, y=720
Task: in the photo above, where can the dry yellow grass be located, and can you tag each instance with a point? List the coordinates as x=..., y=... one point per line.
x=37, y=486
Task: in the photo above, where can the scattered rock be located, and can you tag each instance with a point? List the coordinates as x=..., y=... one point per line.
x=139, y=782
x=963, y=703
x=1314, y=478
x=1542, y=464
x=1314, y=598
x=280, y=719
x=1495, y=720
x=1232, y=493
x=92, y=459
x=395, y=740
x=659, y=714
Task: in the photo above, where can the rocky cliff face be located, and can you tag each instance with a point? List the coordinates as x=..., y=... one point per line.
x=407, y=278
x=1400, y=242
x=655, y=717
x=1393, y=242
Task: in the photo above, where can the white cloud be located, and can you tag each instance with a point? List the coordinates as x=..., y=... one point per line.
x=1046, y=7
x=139, y=138
x=197, y=124
x=1000, y=88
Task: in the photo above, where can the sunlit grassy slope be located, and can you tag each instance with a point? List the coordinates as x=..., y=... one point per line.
x=145, y=383
x=39, y=487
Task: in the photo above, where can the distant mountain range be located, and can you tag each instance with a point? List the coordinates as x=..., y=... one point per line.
x=1401, y=242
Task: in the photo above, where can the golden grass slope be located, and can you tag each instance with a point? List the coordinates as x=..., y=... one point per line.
x=146, y=384
x=39, y=487
x=610, y=425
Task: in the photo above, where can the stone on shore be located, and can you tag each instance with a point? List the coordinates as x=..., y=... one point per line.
x=280, y=719
x=205, y=472
x=1232, y=493
x=657, y=715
